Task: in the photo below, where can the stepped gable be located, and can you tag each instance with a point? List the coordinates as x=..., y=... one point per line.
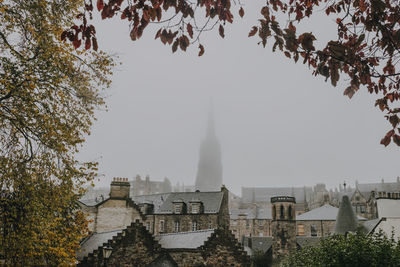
x=133, y=246
x=346, y=220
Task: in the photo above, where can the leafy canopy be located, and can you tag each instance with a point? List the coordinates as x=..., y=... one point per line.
x=48, y=94
x=366, y=49
x=352, y=250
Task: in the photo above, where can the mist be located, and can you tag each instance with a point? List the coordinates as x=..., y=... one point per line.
x=277, y=124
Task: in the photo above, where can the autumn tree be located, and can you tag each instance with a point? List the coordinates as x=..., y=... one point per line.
x=48, y=95
x=365, y=50
x=352, y=250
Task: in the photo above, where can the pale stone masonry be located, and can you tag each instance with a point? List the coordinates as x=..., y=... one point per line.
x=159, y=213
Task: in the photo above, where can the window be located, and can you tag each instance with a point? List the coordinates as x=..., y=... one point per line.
x=177, y=208
x=363, y=208
x=194, y=226
x=260, y=222
x=148, y=226
x=300, y=229
x=247, y=224
x=313, y=229
x=195, y=208
x=176, y=227
x=282, y=212
x=290, y=212
x=161, y=225
x=274, y=213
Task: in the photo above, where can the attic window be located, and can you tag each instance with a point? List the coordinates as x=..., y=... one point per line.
x=177, y=208
x=195, y=208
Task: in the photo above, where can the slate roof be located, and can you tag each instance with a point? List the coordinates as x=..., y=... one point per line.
x=264, y=194
x=156, y=199
x=260, y=213
x=211, y=201
x=258, y=243
x=389, y=187
x=371, y=224
x=324, y=213
x=191, y=240
x=94, y=241
x=305, y=241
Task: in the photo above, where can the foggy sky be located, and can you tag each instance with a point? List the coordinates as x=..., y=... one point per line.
x=278, y=125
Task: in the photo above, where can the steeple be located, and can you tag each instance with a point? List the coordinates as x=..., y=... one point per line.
x=209, y=170
x=346, y=220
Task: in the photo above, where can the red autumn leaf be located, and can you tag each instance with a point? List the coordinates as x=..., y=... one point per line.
x=190, y=30
x=287, y=54
x=221, y=31
x=396, y=139
x=253, y=31
x=349, y=92
x=95, y=46
x=76, y=43
x=201, y=52
x=241, y=12
x=87, y=43
x=386, y=140
x=100, y=5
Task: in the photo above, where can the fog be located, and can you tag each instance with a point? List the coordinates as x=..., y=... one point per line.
x=277, y=124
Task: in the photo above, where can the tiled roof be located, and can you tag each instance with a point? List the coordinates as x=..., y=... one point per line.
x=211, y=201
x=189, y=240
x=389, y=187
x=324, y=213
x=261, y=243
x=156, y=199
x=371, y=224
x=94, y=241
x=305, y=241
x=260, y=213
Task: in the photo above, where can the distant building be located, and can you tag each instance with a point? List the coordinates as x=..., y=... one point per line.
x=174, y=229
x=135, y=246
x=263, y=195
x=160, y=213
x=147, y=187
x=209, y=169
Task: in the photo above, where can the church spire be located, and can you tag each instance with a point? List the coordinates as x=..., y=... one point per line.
x=209, y=170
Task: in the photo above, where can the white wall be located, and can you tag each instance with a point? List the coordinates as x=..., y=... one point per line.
x=388, y=208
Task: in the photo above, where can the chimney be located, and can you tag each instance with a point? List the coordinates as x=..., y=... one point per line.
x=120, y=188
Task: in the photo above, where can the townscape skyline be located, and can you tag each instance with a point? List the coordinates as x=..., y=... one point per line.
x=277, y=124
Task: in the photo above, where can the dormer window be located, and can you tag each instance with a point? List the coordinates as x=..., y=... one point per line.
x=195, y=206
x=179, y=206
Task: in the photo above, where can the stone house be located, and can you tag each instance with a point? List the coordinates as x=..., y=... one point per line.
x=254, y=221
x=160, y=213
x=135, y=246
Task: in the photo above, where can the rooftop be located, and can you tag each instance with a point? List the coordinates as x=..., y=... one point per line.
x=324, y=213
x=190, y=240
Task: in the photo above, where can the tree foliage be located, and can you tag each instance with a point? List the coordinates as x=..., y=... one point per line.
x=366, y=49
x=48, y=94
x=352, y=250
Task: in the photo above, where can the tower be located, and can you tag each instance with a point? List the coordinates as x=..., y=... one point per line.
x=346, y=220
x=283, y=226
x=209, y=169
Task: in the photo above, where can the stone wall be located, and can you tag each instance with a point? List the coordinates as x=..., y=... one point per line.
x=250, y=227
x=323, y=228
x=204, y=221
x=115, y=214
